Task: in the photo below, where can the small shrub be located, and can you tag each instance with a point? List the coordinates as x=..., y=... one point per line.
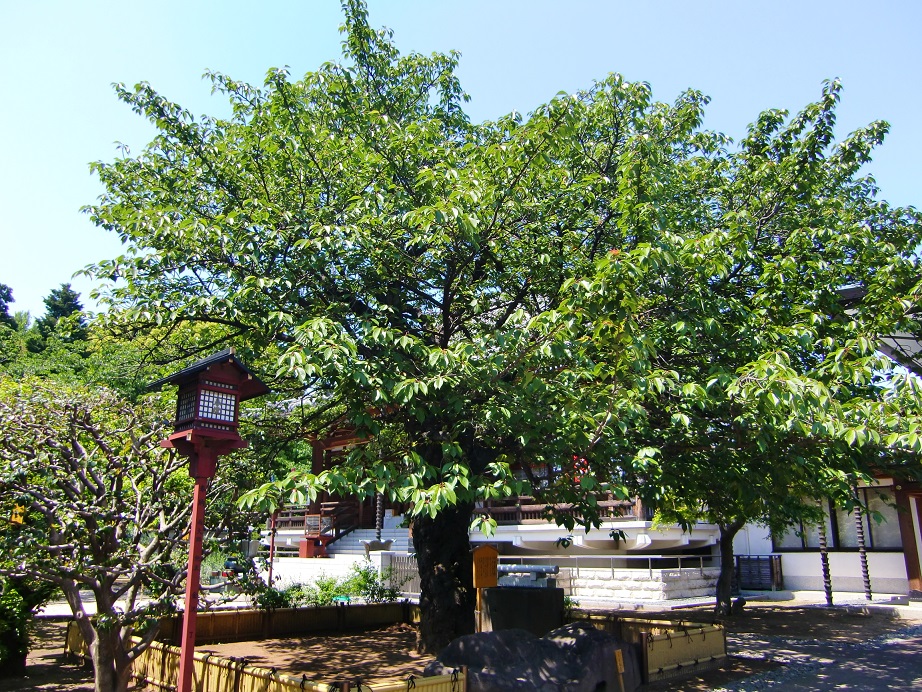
x=323, y=590
x=19, y=599
x=365, y=581
x=272, y=598
x=263, y=596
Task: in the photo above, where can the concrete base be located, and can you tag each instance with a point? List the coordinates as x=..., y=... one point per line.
x=312, y=549
x=640, y=585
x=814, y=597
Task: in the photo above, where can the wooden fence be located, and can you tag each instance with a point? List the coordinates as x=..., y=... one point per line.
x=404, y=572
x=668, y=648
x=158, y=667
x=246, y=624
x=762, y=572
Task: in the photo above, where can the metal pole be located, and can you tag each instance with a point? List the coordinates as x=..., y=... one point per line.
x=193, y=576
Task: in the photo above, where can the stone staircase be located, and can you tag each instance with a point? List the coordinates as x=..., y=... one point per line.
x=342, y=554
x=351, y=544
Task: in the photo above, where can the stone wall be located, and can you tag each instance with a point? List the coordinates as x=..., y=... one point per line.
x=641, y=584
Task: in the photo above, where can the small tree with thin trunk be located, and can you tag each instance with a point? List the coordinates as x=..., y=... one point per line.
x=105, y=509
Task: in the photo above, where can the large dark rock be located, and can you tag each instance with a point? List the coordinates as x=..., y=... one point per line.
x=573, y=658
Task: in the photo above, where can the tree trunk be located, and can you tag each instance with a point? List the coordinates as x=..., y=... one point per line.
x=108, y=676
x=725, y=580
x=447, y=599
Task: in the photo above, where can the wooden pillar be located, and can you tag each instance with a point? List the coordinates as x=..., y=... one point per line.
x=198, y=468
x=910, y=514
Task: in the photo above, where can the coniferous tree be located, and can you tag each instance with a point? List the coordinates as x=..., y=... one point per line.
x=63, y=302
x=6, y=297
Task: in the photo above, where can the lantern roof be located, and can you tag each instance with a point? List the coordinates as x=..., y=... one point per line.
x=249, y=386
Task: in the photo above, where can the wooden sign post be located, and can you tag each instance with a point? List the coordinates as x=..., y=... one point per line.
x=486, y=563
x=619, y=666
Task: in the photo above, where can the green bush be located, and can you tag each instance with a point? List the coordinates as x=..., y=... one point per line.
x=14, y=634
x=19, y=599
x=272, y=598
x=365, y=581
x=323, y=590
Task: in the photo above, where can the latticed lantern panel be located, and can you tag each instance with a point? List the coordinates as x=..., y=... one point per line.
x=185, y=405
x=217, y=405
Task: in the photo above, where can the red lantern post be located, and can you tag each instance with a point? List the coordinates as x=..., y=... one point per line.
x=207, y=417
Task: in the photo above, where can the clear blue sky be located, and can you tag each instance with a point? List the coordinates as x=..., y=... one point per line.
x=59, y=58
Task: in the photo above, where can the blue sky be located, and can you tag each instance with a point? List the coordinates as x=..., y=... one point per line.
x=58, y=60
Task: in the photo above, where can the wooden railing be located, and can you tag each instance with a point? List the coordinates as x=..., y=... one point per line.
x=526, y=510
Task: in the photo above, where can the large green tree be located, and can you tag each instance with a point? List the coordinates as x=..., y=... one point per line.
x=760, y=379
x=477, y=295
x=399, y=257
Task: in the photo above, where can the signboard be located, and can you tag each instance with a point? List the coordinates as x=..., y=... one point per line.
x=486, y=560
x=18, y=515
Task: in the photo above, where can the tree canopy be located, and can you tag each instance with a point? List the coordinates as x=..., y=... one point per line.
x=105, y=509
x=603, y=279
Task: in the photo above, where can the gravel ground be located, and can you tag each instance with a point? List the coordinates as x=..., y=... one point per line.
x=804, y=659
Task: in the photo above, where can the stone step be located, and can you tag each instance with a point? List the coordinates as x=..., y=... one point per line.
x=351, y=544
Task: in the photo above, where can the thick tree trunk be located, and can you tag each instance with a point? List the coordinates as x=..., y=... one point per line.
x=725, y=580
x=108, y=675
x=106, y=646
x=447, y=597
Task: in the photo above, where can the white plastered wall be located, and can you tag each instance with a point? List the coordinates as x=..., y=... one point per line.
x=803, y=571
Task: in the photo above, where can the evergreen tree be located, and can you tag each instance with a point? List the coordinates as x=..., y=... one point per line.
x=63, y=317
x=63, y=303
x=6, y=297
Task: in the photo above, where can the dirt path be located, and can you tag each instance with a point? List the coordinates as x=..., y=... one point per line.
x=46, y=667
x=372, y=656
x=770, y=636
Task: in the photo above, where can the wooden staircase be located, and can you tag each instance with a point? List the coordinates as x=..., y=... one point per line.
x=335, y=520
